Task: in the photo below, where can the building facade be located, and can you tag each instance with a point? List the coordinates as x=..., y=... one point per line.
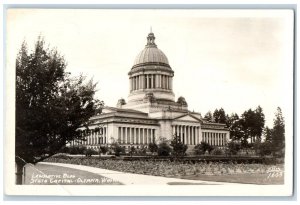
x=152, y=114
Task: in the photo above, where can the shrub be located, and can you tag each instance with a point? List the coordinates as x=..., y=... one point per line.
x=153, y=147
x=164, y=149
x=104, y=149
x=142, y=150
x=118, y=150
x=200, y=149
x=234, y=147
x=217, y=151
x=179, y=148
x=89, y=152
x=77, y=150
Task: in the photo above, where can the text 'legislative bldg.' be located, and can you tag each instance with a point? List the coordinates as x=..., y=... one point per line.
x=151, y=112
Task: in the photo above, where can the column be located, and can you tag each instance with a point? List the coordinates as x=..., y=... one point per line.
x=119, y=135
x=145, y=136
x=153, y=136
x=141, y=135
x=194, y=135
x=162, y=82
x=149, y=136
x=179, y=128
x=168, y=85
x=159, y=81
x=141, y=82
x=189, y=134
x=130, y=134
x=147, y=77
x=171, y=83
x=208, y=136
x=197, y=135
x=96, y=138
x=153, y=81
x=135, y=82
x=125, y=130
x=185, y=134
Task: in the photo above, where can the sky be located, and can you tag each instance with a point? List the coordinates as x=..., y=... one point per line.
x=232, y=59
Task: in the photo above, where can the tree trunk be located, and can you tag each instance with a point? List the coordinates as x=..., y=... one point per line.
x=19, y=171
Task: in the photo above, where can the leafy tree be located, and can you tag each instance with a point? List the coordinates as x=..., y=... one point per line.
x=219, y=116
x=278, y=133
x=164, y=149
x=50, y=105
x=201, y=148
x=179, y=148
x=153, y=147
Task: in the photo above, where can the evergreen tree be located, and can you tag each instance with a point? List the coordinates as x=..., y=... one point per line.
x=278, y=133
x=179, y=148
x=219, y=116
x=209, y=117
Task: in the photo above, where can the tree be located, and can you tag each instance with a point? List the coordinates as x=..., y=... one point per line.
x=208, y=117
x=278, y=134
x=179, y=148
x=153, y=147
x=234, y=123
x=219, y=116
x=253, y=123
x=268, y=134
x=50, y=105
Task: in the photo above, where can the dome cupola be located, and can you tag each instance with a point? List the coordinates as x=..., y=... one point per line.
x=151, y=55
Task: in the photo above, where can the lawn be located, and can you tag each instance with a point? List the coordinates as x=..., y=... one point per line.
x=261, y=179
x=42, y=174
x=213, y=171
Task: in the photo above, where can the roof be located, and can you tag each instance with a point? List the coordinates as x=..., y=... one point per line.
x=151, y=54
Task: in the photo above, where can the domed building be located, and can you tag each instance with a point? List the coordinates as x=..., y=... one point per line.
x=151, y=113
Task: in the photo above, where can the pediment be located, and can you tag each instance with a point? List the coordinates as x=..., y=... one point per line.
x=187, y=117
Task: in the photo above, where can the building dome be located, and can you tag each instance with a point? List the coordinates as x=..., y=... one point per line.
x=151, y=55
x=151, y=77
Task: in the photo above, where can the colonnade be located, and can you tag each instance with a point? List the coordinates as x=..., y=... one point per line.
x=214, y=139
x=133, y=135
x=94, y=138
x=149, y=81
x=189, y=135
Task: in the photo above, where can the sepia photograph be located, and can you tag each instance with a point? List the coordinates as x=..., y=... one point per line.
x=149, y=102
